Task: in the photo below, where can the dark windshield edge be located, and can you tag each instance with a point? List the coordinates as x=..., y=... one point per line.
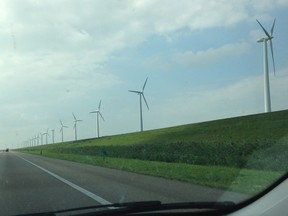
x=144, y=206
x=155, y=207
x=217, y=208
x=214, y=208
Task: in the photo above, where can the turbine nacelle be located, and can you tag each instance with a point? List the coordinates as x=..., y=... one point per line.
x=97, y=112
x=75, y=125
x=62, y=126
x=261, y=40
x=141, y=94
x=268, y=38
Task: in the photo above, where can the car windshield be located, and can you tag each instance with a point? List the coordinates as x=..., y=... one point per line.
x=115, y=101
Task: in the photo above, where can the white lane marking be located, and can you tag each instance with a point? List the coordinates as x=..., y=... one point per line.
x=80, y=189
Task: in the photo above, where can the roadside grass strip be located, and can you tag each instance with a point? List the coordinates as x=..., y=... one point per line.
x=247, y=181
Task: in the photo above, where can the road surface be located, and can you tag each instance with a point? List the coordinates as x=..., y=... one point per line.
x=30, y=184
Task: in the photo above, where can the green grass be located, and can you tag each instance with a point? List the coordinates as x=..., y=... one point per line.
x=245, y=153
x=229, y=178
x=260, y=127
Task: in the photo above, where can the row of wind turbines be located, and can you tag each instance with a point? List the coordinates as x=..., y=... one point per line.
x=36, y=139
x=267, y=98
x=97, y=112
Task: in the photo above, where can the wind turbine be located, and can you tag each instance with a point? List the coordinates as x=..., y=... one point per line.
x=37, y=139
x=267, y=100
x=141, y=94
x=41, y=138
x=97, y=117
x=53, y=135
x=33, y=141
x=75, y=125
x=61, y=130
x=47, y=134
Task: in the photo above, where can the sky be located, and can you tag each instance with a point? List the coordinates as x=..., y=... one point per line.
x=201, y=58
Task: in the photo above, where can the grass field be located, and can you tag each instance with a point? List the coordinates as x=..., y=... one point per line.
x=224, y=153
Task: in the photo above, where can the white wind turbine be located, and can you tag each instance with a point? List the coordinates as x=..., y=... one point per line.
x=53, y=135
x=141, y=94
x=42, y=138
x=38, y=139
x=267, y=100
x=75, y=125
x=61, y=130
x=97, y=117
x=47, y=134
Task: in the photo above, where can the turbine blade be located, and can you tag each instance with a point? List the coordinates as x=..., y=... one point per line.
x=264, y=29
x=145, y=101
x=99, y=105
x=74, y=116
x=144, y=84
x=138, y=92
x=101, y=116
x=94, y=111
x=272, y=54
x=61, y=122
x=272, y=29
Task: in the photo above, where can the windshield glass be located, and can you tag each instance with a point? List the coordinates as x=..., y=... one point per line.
x=121, y=101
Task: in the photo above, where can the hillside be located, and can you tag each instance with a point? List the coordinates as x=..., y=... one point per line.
x=254, y=141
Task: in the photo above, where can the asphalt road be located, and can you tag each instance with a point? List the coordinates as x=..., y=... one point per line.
x=30, y=184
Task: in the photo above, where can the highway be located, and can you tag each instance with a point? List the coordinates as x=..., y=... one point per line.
x=30, y=184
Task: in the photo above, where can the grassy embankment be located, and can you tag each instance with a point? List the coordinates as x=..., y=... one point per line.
x=241, y=154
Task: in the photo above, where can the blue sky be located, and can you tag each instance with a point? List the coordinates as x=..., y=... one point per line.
x=201, y=59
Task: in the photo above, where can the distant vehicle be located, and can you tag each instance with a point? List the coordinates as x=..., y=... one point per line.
x=7, y=149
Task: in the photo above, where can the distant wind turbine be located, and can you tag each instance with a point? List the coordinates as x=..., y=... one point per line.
x=53, y=135
x=75, y=125
x=141, y=94
x=47, y=134
x=267, y=100
x=42, y=138
x=37, y=139
x=97, y=117
x=61, y=130
x=33, y=141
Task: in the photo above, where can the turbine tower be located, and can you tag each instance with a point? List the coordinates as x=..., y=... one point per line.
x=38, y=139
x=42, y=138
x=141, y=94
x=97, y=117
x=53, y=135
x=267, y=100
x=61, y=130
x=75, y=125
x=47, y=134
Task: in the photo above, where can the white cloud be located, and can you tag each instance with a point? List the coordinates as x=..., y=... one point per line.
x=126, y=23
x=191, y=58
x=63, y=49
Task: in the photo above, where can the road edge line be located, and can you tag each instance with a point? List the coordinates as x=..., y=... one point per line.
x=76, y=187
